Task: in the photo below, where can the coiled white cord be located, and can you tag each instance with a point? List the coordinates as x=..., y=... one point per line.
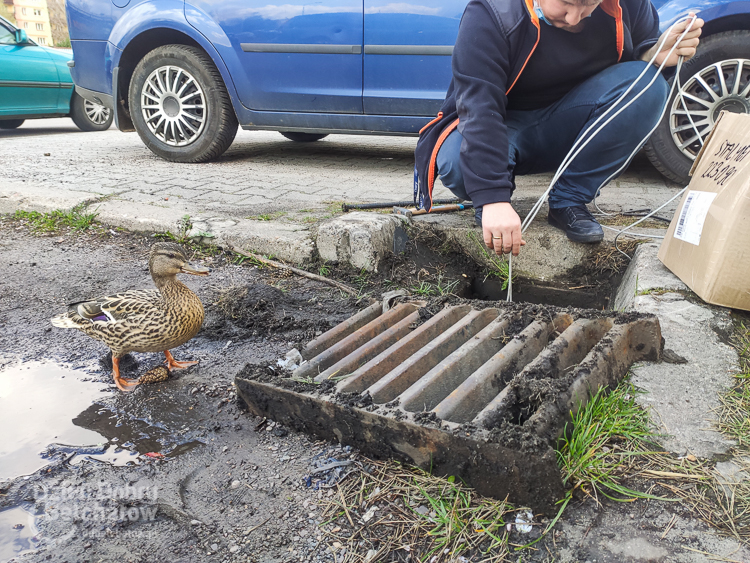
x=583, y=140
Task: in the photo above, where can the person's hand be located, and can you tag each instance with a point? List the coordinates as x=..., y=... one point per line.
x=686, y=47
x=501, y=227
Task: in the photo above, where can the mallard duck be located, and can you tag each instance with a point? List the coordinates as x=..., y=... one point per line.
x=144, y=320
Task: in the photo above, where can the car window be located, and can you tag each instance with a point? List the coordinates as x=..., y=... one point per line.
x=7, y=35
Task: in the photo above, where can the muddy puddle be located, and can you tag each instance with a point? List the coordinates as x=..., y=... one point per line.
x=18, y=533
x=59, y=413
x=39, y=402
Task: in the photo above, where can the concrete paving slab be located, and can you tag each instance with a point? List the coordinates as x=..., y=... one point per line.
x=681, y=396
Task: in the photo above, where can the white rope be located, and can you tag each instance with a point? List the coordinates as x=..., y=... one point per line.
x=583, y=141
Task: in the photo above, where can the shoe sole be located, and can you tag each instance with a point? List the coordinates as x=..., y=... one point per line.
x=591, y=239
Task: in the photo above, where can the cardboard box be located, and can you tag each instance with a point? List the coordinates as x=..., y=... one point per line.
x=708, y=241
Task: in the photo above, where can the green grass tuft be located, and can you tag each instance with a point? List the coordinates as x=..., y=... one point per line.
x=734, y=413
x=497, y=266
x=75, y=219
x=607, y=432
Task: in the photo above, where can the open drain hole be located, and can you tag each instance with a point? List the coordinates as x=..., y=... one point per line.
x=588, y=293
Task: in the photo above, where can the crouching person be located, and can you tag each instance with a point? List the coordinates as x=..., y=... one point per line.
x=529, y=77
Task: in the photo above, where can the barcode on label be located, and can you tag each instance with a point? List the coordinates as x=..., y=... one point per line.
x=685, y=208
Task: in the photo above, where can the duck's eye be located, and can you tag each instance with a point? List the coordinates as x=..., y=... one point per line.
x=171, y=255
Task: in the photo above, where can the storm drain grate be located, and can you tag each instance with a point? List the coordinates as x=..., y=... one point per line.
x=480, y=393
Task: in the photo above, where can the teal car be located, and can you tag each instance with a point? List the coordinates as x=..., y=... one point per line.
x=35, y=83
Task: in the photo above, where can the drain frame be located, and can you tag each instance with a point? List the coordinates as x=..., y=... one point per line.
x=468, y=379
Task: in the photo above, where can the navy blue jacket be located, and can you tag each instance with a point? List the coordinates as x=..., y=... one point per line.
x=496, y=39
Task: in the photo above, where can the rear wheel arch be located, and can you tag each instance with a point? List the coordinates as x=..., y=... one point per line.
x=736, y=22
x=140, y=46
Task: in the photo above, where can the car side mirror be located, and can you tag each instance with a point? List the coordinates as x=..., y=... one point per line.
x=21, y=37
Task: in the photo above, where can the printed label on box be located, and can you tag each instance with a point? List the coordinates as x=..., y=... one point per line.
x=693, y=215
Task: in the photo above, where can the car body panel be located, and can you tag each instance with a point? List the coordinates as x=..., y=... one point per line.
x=90, y=20
x=299, y=56
x=89, y=55
x=34, y=80
x=709, y=10
x=407, y=55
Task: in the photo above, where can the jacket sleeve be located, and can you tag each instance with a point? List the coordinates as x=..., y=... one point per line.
x=481, y=69
x=645, y=27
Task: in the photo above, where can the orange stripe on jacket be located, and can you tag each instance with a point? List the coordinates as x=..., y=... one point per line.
x=431, y=172
x=613, y=8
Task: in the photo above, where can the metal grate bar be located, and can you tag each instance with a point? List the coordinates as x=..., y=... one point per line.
x=469, y=398
x=346, y=346
x=603, y=366
x=370, y=349
x=400, y=379
x=390, y=359
x=437, y=383
x=565, y=351
x=342, y=330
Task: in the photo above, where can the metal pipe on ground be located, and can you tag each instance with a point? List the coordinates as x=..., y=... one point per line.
x=386, y=205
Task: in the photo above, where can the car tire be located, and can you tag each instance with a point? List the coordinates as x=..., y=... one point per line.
x=89, y=116
x=303, y=137
x=728, y=51
x=163, y=81
x=11, y=123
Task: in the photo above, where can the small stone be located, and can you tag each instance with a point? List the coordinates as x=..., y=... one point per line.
x=195, y=522
x=225, y=448
x=194, y=390
x=235, y=484
x=234, y=549
x=214, y=547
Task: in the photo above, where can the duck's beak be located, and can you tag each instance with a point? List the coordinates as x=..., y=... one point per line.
x=195, y=270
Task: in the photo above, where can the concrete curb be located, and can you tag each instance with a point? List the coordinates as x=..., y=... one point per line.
x=288, y=241
x=360, y=239
x=682, y=397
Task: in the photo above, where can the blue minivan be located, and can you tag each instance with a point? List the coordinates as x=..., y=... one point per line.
x=185, y=73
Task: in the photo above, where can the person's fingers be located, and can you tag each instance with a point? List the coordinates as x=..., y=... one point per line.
x=507, y=241
x=487, y=235
x=498, y=244
x=516, y=243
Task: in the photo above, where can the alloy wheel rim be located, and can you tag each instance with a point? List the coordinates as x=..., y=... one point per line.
x=723, y=86
x=173, y=106
x=96, y=113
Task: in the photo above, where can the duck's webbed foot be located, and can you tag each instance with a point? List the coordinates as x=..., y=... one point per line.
x=174, y=364
x=122, y=383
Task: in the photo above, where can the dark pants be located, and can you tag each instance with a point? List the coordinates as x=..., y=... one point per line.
x=540, y=139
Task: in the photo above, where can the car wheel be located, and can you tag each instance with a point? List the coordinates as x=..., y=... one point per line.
x=11, y=123
x=89, y=116
x=303, y=137
x=179, y=105
x=716, y=79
